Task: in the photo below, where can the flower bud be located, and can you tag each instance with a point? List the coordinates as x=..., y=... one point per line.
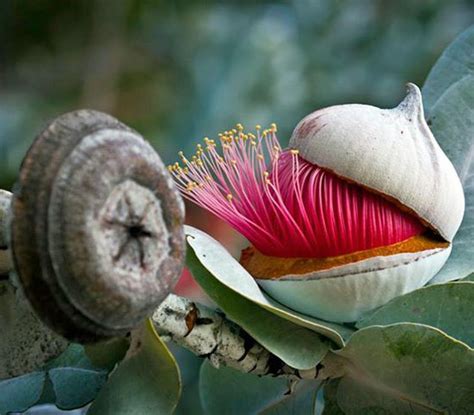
x=360, y=209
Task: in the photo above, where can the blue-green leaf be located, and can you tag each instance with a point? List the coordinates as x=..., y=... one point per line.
x=20, y=393
x=227, y=391
x=74, y=356
x=470, y=277
x=76, y=387
x=448, y=307
x=72, y=380
x=330, y=398
x=108, y=353
x=449, y=99
x=301, y=401
x=456, y=62
x=190, y=366
x=406, y=368
x=147, y=381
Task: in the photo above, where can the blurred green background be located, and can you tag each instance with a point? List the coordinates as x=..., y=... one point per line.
x=180, y=70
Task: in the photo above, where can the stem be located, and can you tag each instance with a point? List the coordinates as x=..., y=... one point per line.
x=207, y=333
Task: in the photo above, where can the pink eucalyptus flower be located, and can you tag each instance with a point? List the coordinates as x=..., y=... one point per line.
x=284, y=205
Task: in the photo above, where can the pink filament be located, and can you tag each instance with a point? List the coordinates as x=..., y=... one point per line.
x=288, y=207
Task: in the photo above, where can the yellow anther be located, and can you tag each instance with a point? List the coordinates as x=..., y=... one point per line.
x=274, y=127
x=294, y=151
x=239, y=126
x=260, y=156
x=234, y=162
x=229, y=197
x=183, y=158
x=258, y=127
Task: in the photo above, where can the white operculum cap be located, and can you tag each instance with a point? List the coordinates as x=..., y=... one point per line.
x=389, y=151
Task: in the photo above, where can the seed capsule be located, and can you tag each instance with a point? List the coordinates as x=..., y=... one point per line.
x=96, y=234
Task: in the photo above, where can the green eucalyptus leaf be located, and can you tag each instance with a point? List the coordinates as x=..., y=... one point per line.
x=147, y=381
x=74, y=356
x=295, y=345
x=449, y=99
x=190, y=366
x=227, y=271
x=76, y=387
x=455, y=63
x=108, y=353
x=72, y=379
x=330, y=398
x=20, y=393
x=448, y=307
x=227, y=391
x=301, y=401
x=406, y=368
x=47, y=396
x=452, y=122
x=69, y=381
x=470, y=277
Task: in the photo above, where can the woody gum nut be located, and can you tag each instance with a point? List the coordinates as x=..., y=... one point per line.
x=96, y=234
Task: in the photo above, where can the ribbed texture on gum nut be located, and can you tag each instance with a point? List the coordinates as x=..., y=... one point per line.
x=97, y=235
x=390, y=151
x=345, y=294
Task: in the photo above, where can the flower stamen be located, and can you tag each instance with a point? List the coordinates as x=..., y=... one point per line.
x=283, y=204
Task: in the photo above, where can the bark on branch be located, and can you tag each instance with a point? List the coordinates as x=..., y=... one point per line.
x=207, y=333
